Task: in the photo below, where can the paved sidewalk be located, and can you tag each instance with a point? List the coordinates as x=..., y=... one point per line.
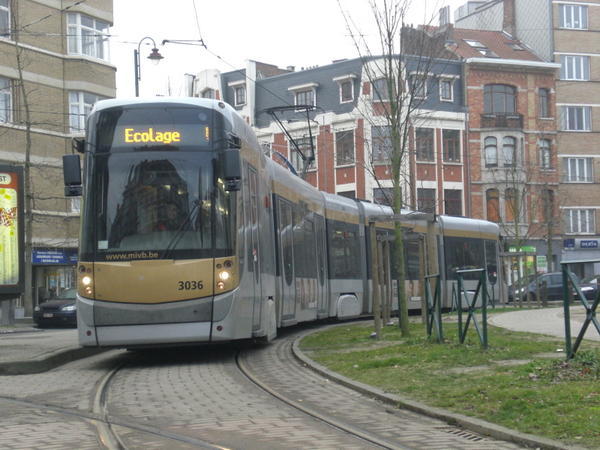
x=549, y=321
x=25, y=349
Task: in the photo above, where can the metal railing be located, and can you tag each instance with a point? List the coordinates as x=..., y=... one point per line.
x=590, y=309
x=434, y=307
x=471, y=306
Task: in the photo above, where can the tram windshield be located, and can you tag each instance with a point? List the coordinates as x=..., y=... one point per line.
x=155, y=199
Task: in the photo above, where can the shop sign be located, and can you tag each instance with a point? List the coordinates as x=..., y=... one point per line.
x=569, y=243
x=588, y=243
x=54, y=256
x=542, y=263
x=11, y=230
x=525, y=248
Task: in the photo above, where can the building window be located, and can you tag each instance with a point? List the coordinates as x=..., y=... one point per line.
x=424, y=144
x=303, y=144
x=418, y=86
x=492, y=201
x=544, y=96
x=545, y=154
x=306, y=97
x=344, y=146
x=4, y=18
x=208, y=93
x=381, y=143
x=426, y=200
x=573, y=16
x=580, y=220
x=453, y=202
x=5, y=100
x=576, y=118
x=446, y=90
x=511, y=204
x=383, y=196
x=240, y=95
x=575, y=67
x=491, y=151
x=451, y=141
x=346, y=91
x=87, y=36
x=499, y=99
x=380, y=90
x=509, y=148
x=347, y=194
x=80, y=105
x=578, y=170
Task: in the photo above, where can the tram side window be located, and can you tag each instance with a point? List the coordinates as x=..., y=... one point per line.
x=463, y=254
x=491, y=260
x=411, y=256
x=345, y=251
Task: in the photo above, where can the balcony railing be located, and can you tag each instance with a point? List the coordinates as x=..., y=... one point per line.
x=511, y=120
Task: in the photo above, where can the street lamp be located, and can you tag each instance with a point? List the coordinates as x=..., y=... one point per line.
x=155, y=57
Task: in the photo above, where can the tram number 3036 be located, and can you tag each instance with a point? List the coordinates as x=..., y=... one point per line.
x=189, y=285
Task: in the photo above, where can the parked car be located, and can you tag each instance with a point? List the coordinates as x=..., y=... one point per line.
x=60, y=310
x=552, y=283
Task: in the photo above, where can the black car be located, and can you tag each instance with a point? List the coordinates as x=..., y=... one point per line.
x=552, y=283
x=61, y=310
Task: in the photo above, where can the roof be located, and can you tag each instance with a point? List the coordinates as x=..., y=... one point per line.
x=494, y=44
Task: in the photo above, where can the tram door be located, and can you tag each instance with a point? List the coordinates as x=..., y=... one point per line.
x=252, y=236
x=286, y=231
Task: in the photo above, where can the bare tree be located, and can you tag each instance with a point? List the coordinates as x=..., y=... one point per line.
x=398, y=74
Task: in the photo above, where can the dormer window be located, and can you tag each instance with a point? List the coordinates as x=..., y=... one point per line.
x=239, y=92
x=481, y=48
x=346, y=84
x=305, y=94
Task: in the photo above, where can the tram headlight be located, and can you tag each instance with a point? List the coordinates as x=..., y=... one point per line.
x=224, y=275
x=87, y=285
x=220, y=285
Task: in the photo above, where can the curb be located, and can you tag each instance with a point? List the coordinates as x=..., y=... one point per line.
x=48, y=361
x=469, y=423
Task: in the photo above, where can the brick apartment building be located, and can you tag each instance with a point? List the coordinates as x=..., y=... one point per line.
x=565, y=32
x=63, y=54
x=513, y=168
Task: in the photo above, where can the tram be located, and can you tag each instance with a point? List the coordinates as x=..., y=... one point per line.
x=190, y=233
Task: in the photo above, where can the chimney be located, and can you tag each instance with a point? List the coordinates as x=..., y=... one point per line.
x=508, y=22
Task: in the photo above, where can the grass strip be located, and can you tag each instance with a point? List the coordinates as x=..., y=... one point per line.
x=521, y=382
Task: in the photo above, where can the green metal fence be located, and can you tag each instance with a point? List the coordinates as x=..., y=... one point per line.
x=434, y=307
x=590, y=309
x=482, y=291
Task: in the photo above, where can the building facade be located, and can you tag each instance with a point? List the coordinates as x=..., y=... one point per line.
x=563, y=32
x=54, y=65
x=349, y=133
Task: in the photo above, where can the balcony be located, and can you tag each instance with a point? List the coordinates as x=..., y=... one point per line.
x=512, y=120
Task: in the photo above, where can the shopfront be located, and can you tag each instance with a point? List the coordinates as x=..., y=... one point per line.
x=581, y=250
x=53, y=271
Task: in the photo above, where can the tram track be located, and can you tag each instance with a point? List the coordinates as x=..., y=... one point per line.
x=326, y=419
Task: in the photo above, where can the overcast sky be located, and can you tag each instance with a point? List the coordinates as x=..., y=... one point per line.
x=299, y=33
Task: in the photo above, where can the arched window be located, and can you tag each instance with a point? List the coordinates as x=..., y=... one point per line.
x=491, y=151
x=511, y=204
x=492, y=205
x=509, y=146
x=499, y=99
x=545, y=154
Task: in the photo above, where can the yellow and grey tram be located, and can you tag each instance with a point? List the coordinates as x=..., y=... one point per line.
x=190, y=233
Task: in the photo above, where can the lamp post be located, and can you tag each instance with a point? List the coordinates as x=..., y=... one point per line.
x=154, y=56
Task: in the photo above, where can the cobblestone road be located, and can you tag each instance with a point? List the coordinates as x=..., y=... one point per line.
x=181, y=398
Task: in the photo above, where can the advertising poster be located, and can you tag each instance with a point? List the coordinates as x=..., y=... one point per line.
x=10, y=228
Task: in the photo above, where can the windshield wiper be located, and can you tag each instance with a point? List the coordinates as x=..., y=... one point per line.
x=179, y=233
